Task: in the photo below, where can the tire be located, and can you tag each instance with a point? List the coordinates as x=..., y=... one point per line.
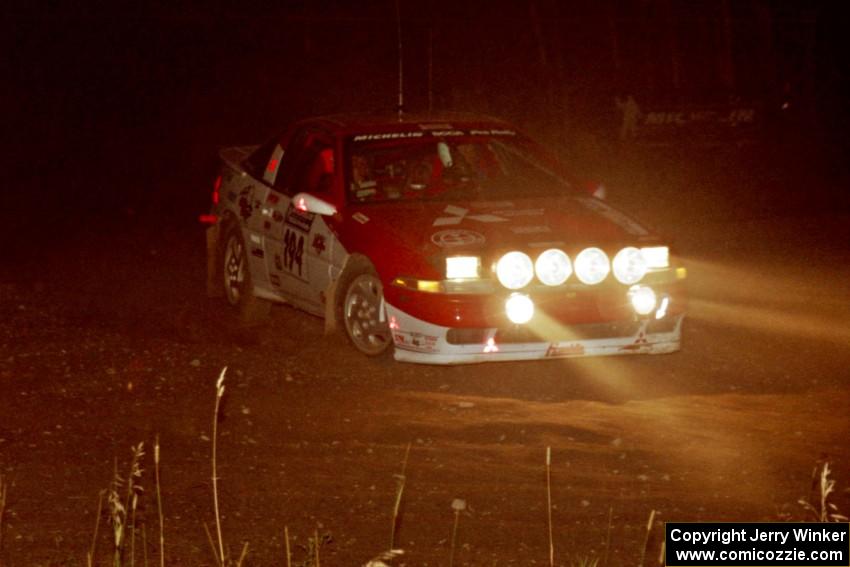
x=236, y=279
x=359, y=310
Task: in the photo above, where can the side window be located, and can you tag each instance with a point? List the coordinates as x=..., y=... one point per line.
x=308, y=165
x=258, y=161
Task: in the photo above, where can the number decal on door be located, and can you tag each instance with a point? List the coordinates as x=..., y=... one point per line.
x=293, y=251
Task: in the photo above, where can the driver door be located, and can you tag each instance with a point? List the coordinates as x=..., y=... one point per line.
x=291, y=235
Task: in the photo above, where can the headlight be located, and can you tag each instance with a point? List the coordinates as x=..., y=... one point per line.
x=629, y=266
x=514, y=270
x=553, y=267
x=656, y=257
x=519, y=308
x=592, y=266
x=462, y=267
x=643, y=299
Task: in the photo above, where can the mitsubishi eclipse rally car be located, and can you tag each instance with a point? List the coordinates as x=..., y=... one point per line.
x=449, y=240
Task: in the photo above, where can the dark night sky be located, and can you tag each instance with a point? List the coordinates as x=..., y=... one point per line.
x=109, y=104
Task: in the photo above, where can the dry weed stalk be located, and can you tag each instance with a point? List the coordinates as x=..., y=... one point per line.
x=400, y=479
x=119, y=508
x=219, y=392
x=158, y=505
x=288, y=551
x=608, y=536
x=646, y=538
x=90, y=554
x=3, y=492
x=549, y=504
x=458, y=505
x=381, y=560
x=824, y=486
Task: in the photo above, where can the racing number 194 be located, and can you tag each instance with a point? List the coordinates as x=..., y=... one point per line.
x=293, y=250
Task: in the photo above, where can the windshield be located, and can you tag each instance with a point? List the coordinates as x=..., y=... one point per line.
x=447, y=168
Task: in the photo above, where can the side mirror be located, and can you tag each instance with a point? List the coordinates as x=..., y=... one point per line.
x=312, y=204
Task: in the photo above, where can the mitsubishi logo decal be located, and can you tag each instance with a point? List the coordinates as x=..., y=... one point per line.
x=457, y=214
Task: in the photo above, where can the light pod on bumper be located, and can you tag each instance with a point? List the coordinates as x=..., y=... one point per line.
x=592, y=266
x=519, y=308
x=515, y=270
x=462, y=267
x=643, y=299
x=553, y=267
x=629, y=266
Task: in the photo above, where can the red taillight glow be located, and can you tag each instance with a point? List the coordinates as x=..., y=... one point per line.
x=216, y=187
x=301, y=204
x=272, y=165
x=208, y=219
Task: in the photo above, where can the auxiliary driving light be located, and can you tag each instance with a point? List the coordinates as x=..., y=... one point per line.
x=629, y=265
x=643, y=299
x=592, y=266
x=515, y=270
x=519, y=308
x=656, y=257
x=553, y=267
x=462, y=267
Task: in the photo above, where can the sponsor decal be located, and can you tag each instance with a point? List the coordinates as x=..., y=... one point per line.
x=415, y=341
x=231, y=196
x=387, y=136
x=446, y=133
x=275, y=279
x=496, y=132
x=246, y=202
x=454, y=237
x=293, y=252
x=360, y=217
x=640, y=342
x=299, y=219
x=278, y=263
x=457, y=214
x=629, y=225
x=318, y=244
x=570, y=349
x=272, y=198
x=258, y=252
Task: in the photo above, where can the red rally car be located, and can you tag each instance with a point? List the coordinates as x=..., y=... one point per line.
x=450, y=239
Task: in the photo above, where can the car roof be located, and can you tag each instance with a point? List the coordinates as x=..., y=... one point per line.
x=354, y=123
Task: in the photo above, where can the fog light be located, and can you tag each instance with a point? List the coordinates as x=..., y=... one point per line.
x=643, y=299
x=519, y=308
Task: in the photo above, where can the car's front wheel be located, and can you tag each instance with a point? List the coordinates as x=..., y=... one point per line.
x=362, y=306
x=236, y=274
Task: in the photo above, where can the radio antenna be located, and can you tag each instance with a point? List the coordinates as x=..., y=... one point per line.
x=400, y=62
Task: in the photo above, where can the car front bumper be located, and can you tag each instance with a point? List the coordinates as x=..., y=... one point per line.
x=422, y=342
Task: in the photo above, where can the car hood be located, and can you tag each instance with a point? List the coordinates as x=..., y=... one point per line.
x=442, y=228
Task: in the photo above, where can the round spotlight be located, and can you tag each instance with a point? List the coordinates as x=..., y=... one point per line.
x=553, y=267
x=643, y=299
x=592, y=266
x=515, y=270
x=629, y=266
x=519, y=308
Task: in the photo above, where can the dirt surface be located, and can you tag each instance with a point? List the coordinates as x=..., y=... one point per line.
x=106, y=340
